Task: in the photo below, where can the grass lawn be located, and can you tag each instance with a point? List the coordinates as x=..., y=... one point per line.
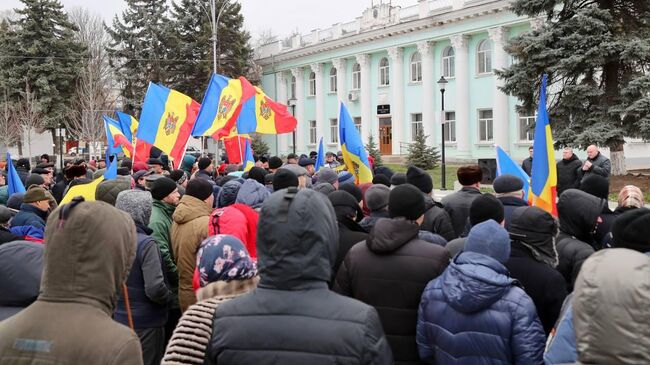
x=450, y=172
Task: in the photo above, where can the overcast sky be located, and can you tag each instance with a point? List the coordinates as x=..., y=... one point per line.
x=281, y=16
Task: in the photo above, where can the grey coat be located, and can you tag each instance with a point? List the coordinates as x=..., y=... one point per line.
x=457, y=206
x=600, y=166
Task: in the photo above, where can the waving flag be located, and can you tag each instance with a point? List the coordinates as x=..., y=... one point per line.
x=87, y=191
x=235, y=148
x=544, y=173
x=320, y=159
x=249, y=160
x=129, y=125
x=166, y=122
x=506, y=165
x=117, y=140
x=354, y=154
x=260, y=114
x=111, y=168
x=14, y=184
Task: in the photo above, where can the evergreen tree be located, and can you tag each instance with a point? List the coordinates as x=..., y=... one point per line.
x=421, y=155
x=373, y=150
x=38, y=49
x=597, y=55
x=258, y=145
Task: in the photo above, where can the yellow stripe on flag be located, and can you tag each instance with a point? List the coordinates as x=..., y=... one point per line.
x=87, y=191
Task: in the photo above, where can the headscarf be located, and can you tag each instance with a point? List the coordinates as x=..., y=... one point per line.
x=224, y=258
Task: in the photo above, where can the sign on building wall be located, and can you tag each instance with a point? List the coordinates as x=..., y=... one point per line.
x=383, y=109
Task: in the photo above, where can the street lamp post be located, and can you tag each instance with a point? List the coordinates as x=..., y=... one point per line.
x=292, y=103
x=60, y=130
x=443, y=178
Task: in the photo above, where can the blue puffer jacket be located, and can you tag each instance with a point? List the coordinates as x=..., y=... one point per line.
x=252, y=194
x=474, y=313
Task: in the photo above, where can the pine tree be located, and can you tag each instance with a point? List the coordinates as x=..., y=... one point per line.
x=38, y=48
x=258, y=145
x=421, y=155
x=373, y=150
x=597, y=55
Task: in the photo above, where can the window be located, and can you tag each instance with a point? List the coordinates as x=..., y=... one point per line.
x=416, y=125
x=526, y=133
x=333, y=80
x=416, y=67
x=356, y=77
x=484, y=57
x=357, y=124
x=334, y=130
x=384, y=70
x=293, y=87
x=312, y=132
x=312, y=84
x=450, y=127
x=485, y=126
x=448, y=63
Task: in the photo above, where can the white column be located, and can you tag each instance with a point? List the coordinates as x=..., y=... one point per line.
x=341, y=91
x=428, y=112
x=321, y=125
x=500, y=108
x=367, y=123
x=300, y=109
x=396, y=55
x=461, y=100
x=281, y=82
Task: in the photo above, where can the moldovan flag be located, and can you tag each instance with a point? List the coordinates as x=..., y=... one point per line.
x=320, y=159
x=544, y=172
x=166, y=122
x=506, y=165
x=235, y=148
x=116, y=138
x=221, y=106
x=260, y=114
x=249, y=160
x=354, y=153
x=86, y=190
x=129, y=124
x=14, y=184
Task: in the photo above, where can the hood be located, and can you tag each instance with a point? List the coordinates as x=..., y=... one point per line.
x=228, y=194
x=21, y=267
x=107, y=190
x=293, y=256
x=578, y=213
x=473, y=282
x=137, y=203
x=88, y=254
x=573, y=158
x=390, y=234
x=252, y=193
x=429, y=202
x=190, y=208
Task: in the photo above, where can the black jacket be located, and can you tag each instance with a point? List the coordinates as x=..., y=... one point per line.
x=567, y=174
x=510, y=203
x=21, y=267
x=390, y=271
x=436, y=220
x=457, y=206
x=350, y=233
x=599, y=166
x=527, y=165
x=6, y=236
x=292, y=317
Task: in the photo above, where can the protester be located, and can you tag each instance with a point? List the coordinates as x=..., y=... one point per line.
x=252, y=193
x=228, y=194
x=383, y=170
x=436, y=219
x=567, y=171
x=381, y=179
x=376, y=198
x=156, y=165
x=304, y=181
x=275, y=163
x=595, y=163
x=292, y=317
x=4, y=188
x=148, y=293
x=5, y=234
x=226, y=272
x=257, y=174
x=509, y=191
x=330, y=160
x=21, y=267
x=22, y=168
x=483, y=208
x=189, y=229
x=347, y=210
x=457, y=204
x=397, y=179
x=283, y=179
x=598, y=186
x=393, y=253
x=324, y=188
x=327, y=175
x=630, y=197
x=475, y=313
x=33, y=210
x=292, y=159
x=90, y=247
x=108, y=190
x=307, y=164
x=533, y=259
x=188, y=164
x=206, y=169
x=139, y=179
x=527, y=164
x=180, y=178
x=345, y=178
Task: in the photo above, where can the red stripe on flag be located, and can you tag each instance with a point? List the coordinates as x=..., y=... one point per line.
x=284, y=121
x=177, y=152
x=142, y=150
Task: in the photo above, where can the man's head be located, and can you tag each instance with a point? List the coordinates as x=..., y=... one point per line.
x=73, y=172
x=137, y=204
x=283, y=179
x=275, y=163
x=45, y=158
x=420, y=179
x=156, y=165
x=257, y=174
x=377, y=198
x=179, y=177
x=537, y=230
x=632, y=229
x=595, y=185
x=36, y=196
x=489, y=238
x=35, y=179
x=165, y=190
x=140, y=176
x=5, y=216
x=530, y=151
x=327, y=175
x=308, y=164
x=101, y=164
x=264, y=162
x=292, y=158
x=567, y=153
x=485, y=207
x=345, y=205
x=508, y=185
x=470, y=175
x=398, y=179
x=313, y=154
x=46, y=174
x=406, y=201
x=205, y=164
x=592, y=151
x=201, y=189
x=330, y=157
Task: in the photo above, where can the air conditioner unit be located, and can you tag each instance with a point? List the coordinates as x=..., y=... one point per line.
x=353, y=96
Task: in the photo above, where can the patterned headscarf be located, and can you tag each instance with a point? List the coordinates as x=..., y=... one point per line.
x=224, y=258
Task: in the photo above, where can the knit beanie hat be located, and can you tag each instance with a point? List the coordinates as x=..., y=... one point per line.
x=257, y=174
x=490, y=239
x=34, y=179
x=420, y=179
x=630, y=197
x=204, y=162
x=345, y=178
x=484, y=207
x=381, y=179
x=595, y=185
x=5, y=214
x=406, y=201
x=398, y=178
x=377, y=197
x=283, y=179
x=352, y=189
x=15, y=201
x=383, y=170
x=199, y=188
x=327, y=175
x=178, y=176
x=162, y=187
x=35, y=194
x=469, y=175
x=632, y=229
x=324, y=188
x=137, y=204
x=275, y=162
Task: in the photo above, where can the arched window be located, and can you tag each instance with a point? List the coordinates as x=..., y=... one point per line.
x=484, y=57
x=356, y=76
x=293, y=87
x=448, y=62
x=384, y=72
x=416, y=67
x=333, y=80
x=312, y=84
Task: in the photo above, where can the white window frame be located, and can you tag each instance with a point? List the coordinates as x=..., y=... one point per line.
x=357, y=124
x=449, y=63
x=384, y=72
x=334, y=130
x=292, y=87
x=416, y=124
x=450, y=126
x=484, y=57
x=416, y=67
x=312, y=84
x=312, y=132
x=333, y=76
x=489, y=126
x=529, y=120
x=356, y=76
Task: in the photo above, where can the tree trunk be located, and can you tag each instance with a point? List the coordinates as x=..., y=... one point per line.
x=617, y=157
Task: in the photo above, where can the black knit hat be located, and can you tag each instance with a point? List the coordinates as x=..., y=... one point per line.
x=352, y=189
x=484, y=207
x=632, y=229
x=420, y=179
x=398, y=178
x=283, y=179
x=199, y=188
x=275, y=162
x=381, y=179
x=406, y=201
x=257, y=174
x=178, y=176
x=162, y=187
x=595, y=185
x=34, y=179
x=344, y=204
x=204, y=162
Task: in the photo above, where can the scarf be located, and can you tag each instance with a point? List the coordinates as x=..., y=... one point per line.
x=224, y=258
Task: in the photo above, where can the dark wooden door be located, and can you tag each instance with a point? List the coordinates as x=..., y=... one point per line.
x=385, y=137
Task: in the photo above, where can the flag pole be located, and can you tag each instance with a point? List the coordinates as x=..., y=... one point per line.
x=135, y=144
x=241, y=156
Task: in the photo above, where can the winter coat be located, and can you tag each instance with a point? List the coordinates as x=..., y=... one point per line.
x=350, y=233
x=578, y=212
x=567, y=174
x=147, y=289
x=161, y=225
x=527, y=165
x=474, y=313
x=7, y=236
x=59, y=188
x=228, y=194
x=21, y=267
x=29, y=215
x=561, y=345
x=237, y=220
x=457, y=206
x=368, y=222
x=107, y=190
x=389, y=271
x=456, y=246
x=436, y=219
x=204, y=175
x=510, y=203
x=189, y=229
x=23, y=174
x=4, y=194
x=292, y=317
x=87, y=258
x=252, y=193
x=600, y=166
x=543, y=284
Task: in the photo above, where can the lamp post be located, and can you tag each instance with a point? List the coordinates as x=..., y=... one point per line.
x=292, y=103
x=443, y=181
x=60, y=131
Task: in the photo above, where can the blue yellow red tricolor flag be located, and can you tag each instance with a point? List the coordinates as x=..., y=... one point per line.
x=544, y=172
x=506, y=165
x=166, y=121
x=260, y=114
x=354, y=153
x=249, y=160
x=320, y=158
x=129, y=125
x=116, y=138
x=14, y=184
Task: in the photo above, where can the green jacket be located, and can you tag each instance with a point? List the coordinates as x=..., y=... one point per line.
x=161, y=224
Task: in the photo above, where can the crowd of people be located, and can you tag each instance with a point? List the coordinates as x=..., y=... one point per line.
x=284, y=264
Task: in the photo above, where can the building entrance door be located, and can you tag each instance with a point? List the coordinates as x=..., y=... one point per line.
x=385, y=136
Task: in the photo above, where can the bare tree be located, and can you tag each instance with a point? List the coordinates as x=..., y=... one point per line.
x=9, y=125
x=30, y=116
